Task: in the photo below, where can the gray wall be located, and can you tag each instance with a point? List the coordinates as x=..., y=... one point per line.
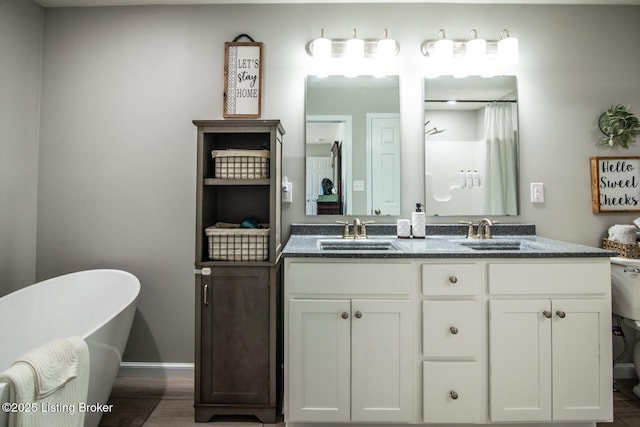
x=21, y=26
x=121, y=85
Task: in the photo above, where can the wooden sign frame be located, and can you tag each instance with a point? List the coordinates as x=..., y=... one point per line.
x=242, y=79
x=615, y=184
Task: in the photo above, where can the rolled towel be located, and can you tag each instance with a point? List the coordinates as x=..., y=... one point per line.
x=623, y=234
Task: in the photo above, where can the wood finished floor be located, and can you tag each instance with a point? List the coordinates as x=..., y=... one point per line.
x=160, y=402
x=626, y=405
x=168, y=402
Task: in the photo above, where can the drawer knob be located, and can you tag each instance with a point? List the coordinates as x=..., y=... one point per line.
x=453, y=279
x=561, y=314
x=547, y=314
x=453, y=330
x=345, y=315
x=453, y=394
x=358, y=314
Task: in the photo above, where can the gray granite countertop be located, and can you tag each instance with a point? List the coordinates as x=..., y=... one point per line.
x=442, y=241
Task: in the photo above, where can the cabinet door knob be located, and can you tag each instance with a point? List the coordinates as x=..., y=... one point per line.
x=453, y=394
x=345, y=315
x=358, y=314
x=453, y=330
x=547, y=314
x=453, y=279
x=561, y=314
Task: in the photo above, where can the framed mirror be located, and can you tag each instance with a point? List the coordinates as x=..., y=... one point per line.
x=471, y=146
x=352, y=146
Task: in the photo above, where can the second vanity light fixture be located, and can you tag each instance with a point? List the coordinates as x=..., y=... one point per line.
x=349, y=53
x=474, y=56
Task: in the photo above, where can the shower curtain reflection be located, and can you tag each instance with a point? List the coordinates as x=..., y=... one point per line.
x=501, y=180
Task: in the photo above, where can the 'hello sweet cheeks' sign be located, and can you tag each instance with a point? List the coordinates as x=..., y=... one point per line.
x=615, y=184
x=242, y=79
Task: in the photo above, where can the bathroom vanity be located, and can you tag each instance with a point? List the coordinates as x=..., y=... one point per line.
x=445, y=329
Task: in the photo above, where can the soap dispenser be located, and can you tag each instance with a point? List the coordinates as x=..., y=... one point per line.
x=418, y=222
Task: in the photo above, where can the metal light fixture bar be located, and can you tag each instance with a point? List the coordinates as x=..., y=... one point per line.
x=506, y=48
x=459, y=47
x=339, y=47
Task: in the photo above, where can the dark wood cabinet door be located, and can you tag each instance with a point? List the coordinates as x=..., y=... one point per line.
x=235, y=337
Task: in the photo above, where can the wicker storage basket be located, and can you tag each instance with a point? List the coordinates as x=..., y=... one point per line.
x=229, y=242
x=623, y=249
x=241, y=164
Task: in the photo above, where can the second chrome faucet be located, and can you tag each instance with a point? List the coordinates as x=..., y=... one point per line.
x=484, y=229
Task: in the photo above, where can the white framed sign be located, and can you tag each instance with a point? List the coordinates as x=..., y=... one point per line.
x=242, y=79
x=615, y=184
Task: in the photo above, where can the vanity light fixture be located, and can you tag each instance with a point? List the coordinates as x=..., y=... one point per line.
x=474, y=56
x=353, y=51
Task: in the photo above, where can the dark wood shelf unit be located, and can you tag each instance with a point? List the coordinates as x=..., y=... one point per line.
x=238, y=353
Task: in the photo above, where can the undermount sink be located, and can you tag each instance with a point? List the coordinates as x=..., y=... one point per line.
x=492, y=245
x=355, y=244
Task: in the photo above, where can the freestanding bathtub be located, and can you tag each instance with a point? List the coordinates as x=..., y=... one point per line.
x=97, y=305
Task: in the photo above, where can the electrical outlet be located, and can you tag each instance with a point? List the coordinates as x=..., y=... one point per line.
x=537, y=192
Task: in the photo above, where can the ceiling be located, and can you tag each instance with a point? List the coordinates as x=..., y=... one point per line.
x=74, y=3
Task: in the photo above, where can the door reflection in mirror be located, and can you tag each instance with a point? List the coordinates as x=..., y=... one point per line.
x=471, y=146
x=353, y=140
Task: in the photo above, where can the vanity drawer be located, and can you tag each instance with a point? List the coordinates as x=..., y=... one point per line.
x=342, y=278
x=451, y=279
x=453, y=392
x=452, y=329
x=549, y=278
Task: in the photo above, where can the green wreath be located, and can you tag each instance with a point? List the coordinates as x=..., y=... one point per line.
x=619, y=125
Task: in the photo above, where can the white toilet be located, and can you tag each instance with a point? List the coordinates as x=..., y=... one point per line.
x=625, y=295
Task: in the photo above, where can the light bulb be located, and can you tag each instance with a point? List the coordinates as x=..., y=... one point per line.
x=321, y=47
x=355, y=47
x=476, y=48
x=386, y=47
x=443, y=48
x=507, y=49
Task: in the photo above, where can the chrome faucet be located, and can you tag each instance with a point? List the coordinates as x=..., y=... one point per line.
x=358, y=229
x=484, y=229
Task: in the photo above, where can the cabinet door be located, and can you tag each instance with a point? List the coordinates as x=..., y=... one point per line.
x=235, y=337
x=582, y=379
x=382, y=367
x=319, y=360
x=519, y=360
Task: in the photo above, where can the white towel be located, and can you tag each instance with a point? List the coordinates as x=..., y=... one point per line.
x=623, y=234
x=52, y=381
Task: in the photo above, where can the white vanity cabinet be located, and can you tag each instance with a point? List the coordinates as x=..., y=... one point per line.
x=447, y=341
x=550, y=341
x=350, y=342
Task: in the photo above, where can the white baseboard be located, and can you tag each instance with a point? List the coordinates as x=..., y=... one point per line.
x=185, y=370
x=624, y=371
x=156, y=370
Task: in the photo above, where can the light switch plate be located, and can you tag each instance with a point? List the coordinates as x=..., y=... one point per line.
x=358, y=185
x=537, y=192
x=287, y=192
